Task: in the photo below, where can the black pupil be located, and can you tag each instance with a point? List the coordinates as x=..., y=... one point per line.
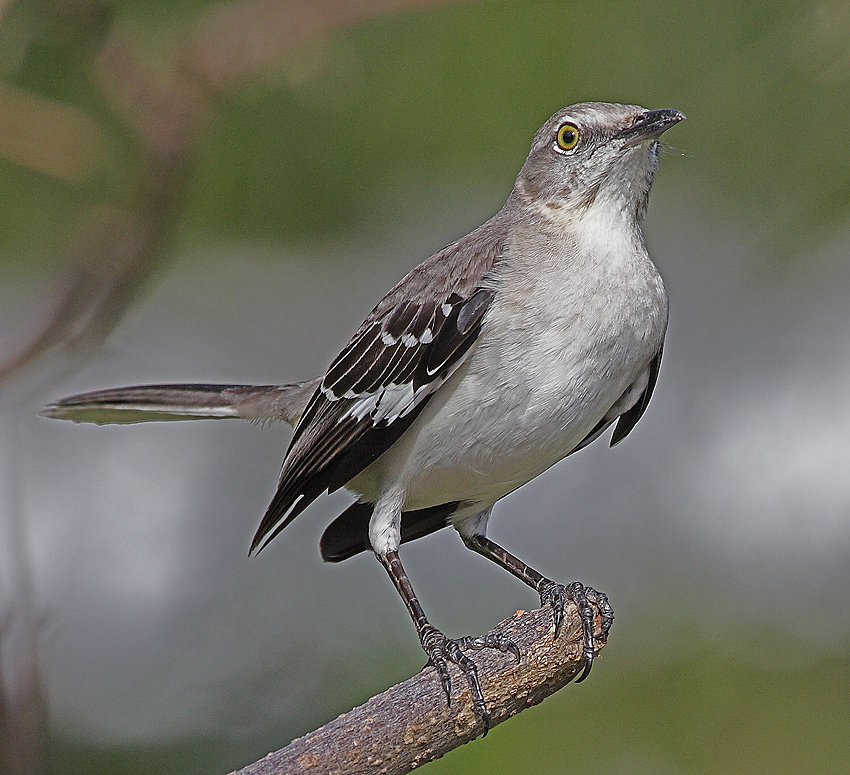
x=568, y=136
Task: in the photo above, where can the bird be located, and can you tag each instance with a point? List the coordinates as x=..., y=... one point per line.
x=513, y=347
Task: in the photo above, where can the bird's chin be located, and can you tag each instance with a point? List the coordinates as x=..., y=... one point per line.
x=650, y=143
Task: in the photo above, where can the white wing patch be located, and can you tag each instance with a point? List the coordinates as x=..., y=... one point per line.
x=391, y=402
x=386, y=373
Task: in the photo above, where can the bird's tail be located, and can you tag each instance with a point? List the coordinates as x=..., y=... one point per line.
x=146, y=403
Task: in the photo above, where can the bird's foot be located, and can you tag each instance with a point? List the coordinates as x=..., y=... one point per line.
x=441, y=650
x=589, y=602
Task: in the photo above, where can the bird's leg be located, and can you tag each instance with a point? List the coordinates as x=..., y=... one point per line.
x=438, y=647
x=555, y=595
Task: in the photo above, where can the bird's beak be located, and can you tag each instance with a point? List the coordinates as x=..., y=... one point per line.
x=649, y=125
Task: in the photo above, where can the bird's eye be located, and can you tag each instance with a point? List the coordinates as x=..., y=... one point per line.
x=567, y=137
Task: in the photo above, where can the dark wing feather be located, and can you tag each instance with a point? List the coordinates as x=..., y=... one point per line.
x=410, y=344
x=629, y=419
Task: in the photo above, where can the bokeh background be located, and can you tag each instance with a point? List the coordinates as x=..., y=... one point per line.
x=220, y=191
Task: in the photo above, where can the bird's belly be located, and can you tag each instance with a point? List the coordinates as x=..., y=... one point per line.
x=479, y=448
x=500, y=424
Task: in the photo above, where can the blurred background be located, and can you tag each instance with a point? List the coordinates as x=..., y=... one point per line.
x=220, y=191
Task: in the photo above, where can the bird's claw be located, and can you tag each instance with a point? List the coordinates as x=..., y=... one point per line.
x=589, y=602
x=441, y=650
x=492, y=640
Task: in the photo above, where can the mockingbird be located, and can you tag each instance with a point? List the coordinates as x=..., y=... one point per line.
x=488, y=363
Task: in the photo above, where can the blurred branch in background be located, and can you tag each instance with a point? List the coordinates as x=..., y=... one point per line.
x=410, y=724
x=49, y=137
x=163, y=105
x=23, y=713
x=119, y=246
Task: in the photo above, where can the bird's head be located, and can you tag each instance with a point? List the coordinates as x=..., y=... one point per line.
x=595, y=151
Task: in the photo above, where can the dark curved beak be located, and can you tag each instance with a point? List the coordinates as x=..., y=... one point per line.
x=650, y=125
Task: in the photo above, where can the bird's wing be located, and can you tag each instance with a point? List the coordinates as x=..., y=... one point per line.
x=406, y=349
x=146, y=403
x=629, y=419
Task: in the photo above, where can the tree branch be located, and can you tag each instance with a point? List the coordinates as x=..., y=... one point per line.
x=410, y=724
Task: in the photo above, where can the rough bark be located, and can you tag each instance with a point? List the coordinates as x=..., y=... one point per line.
x=410, y=723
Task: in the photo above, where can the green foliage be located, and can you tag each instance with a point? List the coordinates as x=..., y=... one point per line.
x=698, y=712
x=452, y=94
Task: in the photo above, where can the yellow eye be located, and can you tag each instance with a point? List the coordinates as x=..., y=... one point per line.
x=567, y=137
